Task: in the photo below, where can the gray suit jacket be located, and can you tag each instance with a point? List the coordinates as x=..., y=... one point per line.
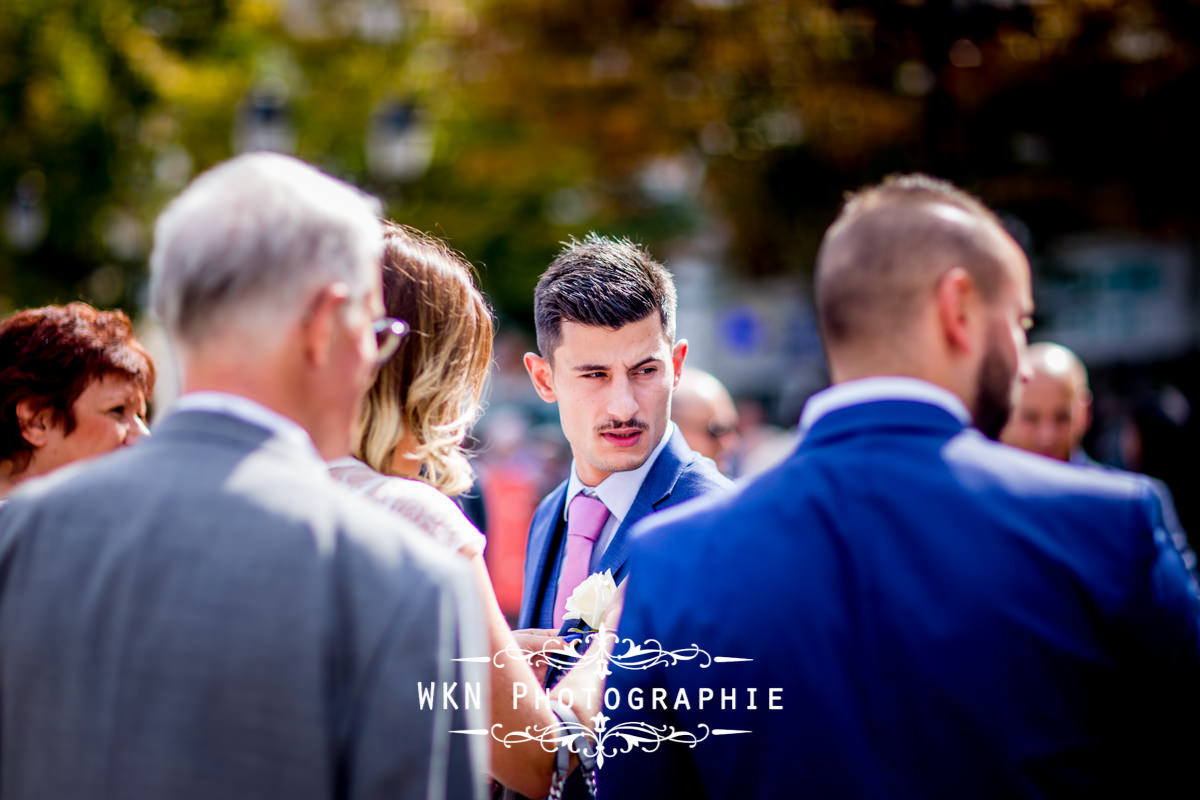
x=208, y=615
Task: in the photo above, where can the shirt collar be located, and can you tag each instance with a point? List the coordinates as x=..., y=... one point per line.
x=889, y=387
x=247, y=410
x=619, y=489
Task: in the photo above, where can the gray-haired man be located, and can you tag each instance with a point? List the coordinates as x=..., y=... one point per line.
x=208, y=615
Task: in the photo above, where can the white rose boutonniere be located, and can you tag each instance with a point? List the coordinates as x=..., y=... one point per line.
x=591, y=599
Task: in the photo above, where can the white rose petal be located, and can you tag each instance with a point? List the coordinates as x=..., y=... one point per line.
x=591, y=598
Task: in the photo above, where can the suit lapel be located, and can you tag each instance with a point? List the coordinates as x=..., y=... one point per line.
x=540, y=550
x=657, y=487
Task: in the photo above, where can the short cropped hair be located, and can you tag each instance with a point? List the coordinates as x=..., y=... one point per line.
x=889, y=246
x=50, y=355
x=432, y=385
x=603, y=282
x=249, y=241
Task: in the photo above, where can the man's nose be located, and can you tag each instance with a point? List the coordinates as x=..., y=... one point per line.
x=1046, y=433
x=622, y=404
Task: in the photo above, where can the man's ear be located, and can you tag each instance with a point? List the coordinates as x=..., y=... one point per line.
x=678, y=354
x=1083, y=419
x=957, y=300
x=318, y=326
x=542, y=375
x=35, y=423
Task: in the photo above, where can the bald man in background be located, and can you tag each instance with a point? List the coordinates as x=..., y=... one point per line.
x=705, y=414
x=1053, y=408
x=1052, y=411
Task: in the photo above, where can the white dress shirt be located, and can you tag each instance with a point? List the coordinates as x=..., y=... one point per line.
x=617, y=492
x=889, y=387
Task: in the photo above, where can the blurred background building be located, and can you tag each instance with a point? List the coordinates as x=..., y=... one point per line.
x=720, y=133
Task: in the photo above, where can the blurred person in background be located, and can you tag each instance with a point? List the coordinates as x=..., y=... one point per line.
x=209, y=614
x=1052, y=411
x=761, y=445
x=73, y=385
x=409, y=457
x=705, y=414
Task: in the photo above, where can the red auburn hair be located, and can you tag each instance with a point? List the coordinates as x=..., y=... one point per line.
x=49, y=355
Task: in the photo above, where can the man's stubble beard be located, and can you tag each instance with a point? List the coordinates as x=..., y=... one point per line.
x=993, y=391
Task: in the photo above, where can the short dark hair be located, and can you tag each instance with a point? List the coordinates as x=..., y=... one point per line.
x=887, y=243
x=603, y=282
x=49, y=355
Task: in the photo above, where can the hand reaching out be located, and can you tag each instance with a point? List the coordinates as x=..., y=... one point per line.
x=535, y=639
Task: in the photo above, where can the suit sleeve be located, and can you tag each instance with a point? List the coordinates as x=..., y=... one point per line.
x=1158, y=634
x=399, y=748
x=1164, y=610
x=1170, y=521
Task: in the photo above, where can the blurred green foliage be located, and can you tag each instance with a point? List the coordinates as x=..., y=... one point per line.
x=661, y=119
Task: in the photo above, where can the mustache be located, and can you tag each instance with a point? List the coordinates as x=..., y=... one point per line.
x=613, y=425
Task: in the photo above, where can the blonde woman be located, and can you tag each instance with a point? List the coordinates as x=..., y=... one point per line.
x=424, y=400
x=409, y=457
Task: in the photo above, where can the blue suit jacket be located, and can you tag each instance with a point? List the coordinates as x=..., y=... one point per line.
x=943, y=616
x=678, y=474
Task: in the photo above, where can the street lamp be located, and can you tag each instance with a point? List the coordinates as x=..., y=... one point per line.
x=25, y=222
x=264, y=122
x=399, y=141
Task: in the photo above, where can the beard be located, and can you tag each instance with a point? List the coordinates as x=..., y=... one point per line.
x=993, y=391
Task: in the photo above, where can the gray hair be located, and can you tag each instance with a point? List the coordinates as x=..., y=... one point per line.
x=250, y=240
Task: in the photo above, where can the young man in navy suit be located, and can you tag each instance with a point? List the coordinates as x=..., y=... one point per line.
x=605, y=317
x=918, y=611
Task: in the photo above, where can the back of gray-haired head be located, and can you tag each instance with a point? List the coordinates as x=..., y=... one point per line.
x=248, y=242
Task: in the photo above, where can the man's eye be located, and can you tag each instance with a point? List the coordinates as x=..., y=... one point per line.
x=647, y=370
x=593, y=375
x=119, y=411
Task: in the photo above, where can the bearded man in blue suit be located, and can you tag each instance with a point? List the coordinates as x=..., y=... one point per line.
x=917, y=611
x=604, y=311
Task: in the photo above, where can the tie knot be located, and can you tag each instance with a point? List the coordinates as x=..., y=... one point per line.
x=585, y=517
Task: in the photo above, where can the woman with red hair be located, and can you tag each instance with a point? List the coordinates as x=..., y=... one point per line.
x=73, y=384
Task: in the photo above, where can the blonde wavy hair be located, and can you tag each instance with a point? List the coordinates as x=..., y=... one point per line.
x=431, y=387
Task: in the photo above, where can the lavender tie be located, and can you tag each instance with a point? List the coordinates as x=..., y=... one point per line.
x=585, y=519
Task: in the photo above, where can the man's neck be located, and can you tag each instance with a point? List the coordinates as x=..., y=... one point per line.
x=9, y=480
x=7, y=484
x=619, y=489
x=942, y=378
x=269, y=386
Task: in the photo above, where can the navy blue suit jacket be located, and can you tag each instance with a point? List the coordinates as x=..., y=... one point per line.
x=943, y=616
x=678, y=474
